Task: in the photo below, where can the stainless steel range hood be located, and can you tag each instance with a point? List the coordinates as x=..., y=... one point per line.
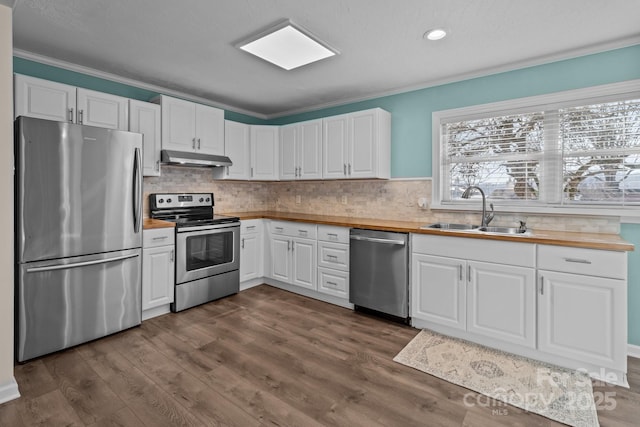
x=185, y=158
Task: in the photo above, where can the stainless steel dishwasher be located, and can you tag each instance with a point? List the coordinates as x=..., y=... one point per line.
x=379, y=272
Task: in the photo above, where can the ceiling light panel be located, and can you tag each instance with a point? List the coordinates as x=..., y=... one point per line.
x=287, y=46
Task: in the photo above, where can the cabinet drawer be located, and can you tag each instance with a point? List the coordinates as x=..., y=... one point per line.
x=294, y=229
x=251, y=226
x=331, y=233
x=333, y=282
x=591, y=262
x=158, y=237
x=333, y=255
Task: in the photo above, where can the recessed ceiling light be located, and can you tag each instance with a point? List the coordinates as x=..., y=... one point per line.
x=435, y=34
x=288, y=46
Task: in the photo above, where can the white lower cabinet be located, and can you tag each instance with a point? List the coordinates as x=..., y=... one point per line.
x=438, y=290
x=333, y=261
x=582, y=305
x=501, y=302
x=563, y=305
x=251, y=250
x=158, y=271
x=583, y=317
x=292, y=257
x=494, y=300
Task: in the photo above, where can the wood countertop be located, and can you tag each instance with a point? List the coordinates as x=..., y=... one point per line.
x=149, y=223
x=611, y=242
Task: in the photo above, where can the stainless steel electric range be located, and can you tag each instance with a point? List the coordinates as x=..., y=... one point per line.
x=207, y=247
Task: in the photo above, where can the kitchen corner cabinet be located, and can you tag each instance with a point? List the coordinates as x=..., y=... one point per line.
x=48, y=100
x=301, y=150
x=466, y=284
x=237, y=148
x=582, y=301
x=251, y=250
x=158, y=268
x=264, y=143
x=357, y=145
x=187, y=126
x=293, y=249
x=144, y=118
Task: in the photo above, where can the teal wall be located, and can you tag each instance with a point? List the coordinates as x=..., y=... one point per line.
x=411, y=111
x=411, y=115
x=60, y=75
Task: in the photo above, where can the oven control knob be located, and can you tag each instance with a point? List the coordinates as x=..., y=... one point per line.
x=168, y=200
x=201, y=200
x=161, y=201
x=207, y=199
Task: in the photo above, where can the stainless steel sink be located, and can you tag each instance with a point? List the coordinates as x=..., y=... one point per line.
x=503, y=230
x=451, y=227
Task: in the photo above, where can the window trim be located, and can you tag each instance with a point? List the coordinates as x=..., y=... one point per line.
x=594, y=94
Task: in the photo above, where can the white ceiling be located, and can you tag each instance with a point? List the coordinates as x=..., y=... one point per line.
x=188, y=45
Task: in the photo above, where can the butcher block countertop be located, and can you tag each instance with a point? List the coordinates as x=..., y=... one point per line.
x=611, y=242
x=156, y=223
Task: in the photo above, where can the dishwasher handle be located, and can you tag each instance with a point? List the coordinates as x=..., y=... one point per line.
x=378, y=240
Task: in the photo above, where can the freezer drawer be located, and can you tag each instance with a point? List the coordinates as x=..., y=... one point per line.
x=70, y=301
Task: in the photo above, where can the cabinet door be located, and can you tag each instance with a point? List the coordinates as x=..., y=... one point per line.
x=144, y=118
x=102, y=110
x=288, y=152
x=281, y=258
x=439, y=290
x=335, y=138
x=304, y=263
x=157, y=276
x=43, y=99
x=209, y=130
x=362, y=159
x=583, y=318
x=264, y=153
x=310, y=149
x=250, y=256
x=178, y=124
x=501, y=302
x=236, y=147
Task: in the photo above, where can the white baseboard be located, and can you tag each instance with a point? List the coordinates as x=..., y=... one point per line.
x=633, y=351
x=9, y=391
x=156, y=311
x=251, y=283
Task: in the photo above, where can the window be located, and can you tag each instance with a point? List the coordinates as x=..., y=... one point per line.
x=569, y=149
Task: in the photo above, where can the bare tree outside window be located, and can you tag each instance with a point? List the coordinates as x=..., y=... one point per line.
x=589, y=154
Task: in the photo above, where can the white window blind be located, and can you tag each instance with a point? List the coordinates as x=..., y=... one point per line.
x=569, y=153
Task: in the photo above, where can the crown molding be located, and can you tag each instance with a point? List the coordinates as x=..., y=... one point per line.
x=127, y=81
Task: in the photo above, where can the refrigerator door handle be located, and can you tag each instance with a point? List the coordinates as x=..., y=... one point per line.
x=137, y=190
x=79, y=264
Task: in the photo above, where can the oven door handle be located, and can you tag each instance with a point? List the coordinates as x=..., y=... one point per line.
x=208, y=227
x=219, y=227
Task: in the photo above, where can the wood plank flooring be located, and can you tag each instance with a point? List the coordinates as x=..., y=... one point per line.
x=262, y=357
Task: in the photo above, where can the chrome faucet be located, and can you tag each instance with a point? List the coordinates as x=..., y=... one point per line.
x=486, y=218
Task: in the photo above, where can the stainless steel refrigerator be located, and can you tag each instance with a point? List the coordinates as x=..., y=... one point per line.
x=78, y=234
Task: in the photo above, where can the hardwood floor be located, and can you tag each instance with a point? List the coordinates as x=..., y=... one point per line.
x=261, y=357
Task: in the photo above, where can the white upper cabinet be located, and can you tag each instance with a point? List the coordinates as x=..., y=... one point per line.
x=144, y=118
x=44, y=99
x=335, y=147
x=301, y=150
x=187, y=126
x=102, y=110
x=357, y=145
x=48, y=100
x=237, y=148
x=264, y=153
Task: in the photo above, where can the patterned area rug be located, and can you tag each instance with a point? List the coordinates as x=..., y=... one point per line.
x=557, y=393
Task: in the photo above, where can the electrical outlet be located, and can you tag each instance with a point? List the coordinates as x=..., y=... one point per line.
x=298, y=199
x=344, y=200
